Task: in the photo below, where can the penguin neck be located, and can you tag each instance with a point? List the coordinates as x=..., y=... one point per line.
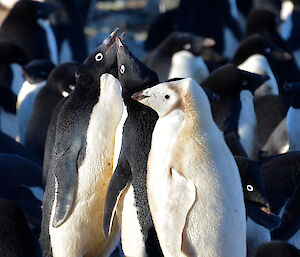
x=293, y=128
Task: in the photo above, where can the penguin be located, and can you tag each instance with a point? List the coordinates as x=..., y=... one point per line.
x=12, y=57
x=293, y=115
x=286, y=25
x=26, y=25
x=60, y=83
x=290, y=225
x=185, y=65
x=270, y=5
x=260, y=220
x=159, y=59
x=277, y=249
x=15, y=236
x=235, y=110
x=67, y=23
x=185, y=141
x=35, y=75
x=85, y=133
x=127, y=192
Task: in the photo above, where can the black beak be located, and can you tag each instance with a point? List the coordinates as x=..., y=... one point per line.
x=139, y=96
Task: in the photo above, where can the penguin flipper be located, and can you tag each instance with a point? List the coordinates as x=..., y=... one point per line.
x=180, y=199
x=66, y=181
x=117, y=184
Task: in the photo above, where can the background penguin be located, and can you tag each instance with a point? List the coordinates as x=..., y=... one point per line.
x=235, y=110
x=185, y=65
x=67, y=23
x=35, y=75
x=277, y=249
x=159, y=59
x=15, y=236
x=184, y=142
x=61, y=82
x=26, y=25
x=127, y=189
x=12, y=56
x=75, y=193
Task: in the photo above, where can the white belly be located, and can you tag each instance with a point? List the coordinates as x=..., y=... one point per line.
x=247, y=125
x=231, y=44
x=293, y=128
x=65, y=54
x=256, y=235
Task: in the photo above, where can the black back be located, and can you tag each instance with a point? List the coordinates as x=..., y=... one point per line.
x=277, y=249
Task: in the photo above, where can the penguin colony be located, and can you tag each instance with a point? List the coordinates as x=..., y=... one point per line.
x=192, y=150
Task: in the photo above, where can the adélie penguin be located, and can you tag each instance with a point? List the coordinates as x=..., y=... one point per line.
x=60, y=83
x=127, y=190
x=35, y=75
x=27, y=25
x=82, y=161
x=193, y=191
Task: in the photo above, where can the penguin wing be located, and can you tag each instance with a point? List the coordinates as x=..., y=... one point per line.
x=66, y=180
x=116, y=186
x=180, y=199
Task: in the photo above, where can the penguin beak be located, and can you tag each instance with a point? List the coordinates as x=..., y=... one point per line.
x=209, y=42
x=139, y=96
x=111, y=38
x=266, y=209
x=119, y=42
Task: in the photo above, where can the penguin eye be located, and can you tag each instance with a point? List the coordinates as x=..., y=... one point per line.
x=122, y=69
x=187, y=46
x=98, y=57
x=71, y=87
x=244, y=83
x=268, y=50
x=167, y=97
x=250, y=188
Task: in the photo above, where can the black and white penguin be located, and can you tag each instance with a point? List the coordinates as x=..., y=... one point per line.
x=16, y=238
x=127, y=191
x=159, y=59
x=290, y=225
x=35, y=75
x=183, y=164
x=82, y=161
x=60, y=83
x=11, y=59
x=235, y=110
x=27, y=25
x=67, y=23
x=277, y=249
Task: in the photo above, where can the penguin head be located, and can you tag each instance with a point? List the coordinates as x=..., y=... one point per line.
x=262, y=20
x=195, y=44
x=63, y=78
x=102, y=60
x=252, y=182
x=180, y=94
x=257, y=44
x=12, y=53
x=277, y=249
x=228, y=81
x=33, y=10
x=292, y=91
x=132, y=73
x=37, y=70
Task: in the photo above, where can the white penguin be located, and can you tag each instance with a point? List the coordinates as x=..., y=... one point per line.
x=185, y=65
x=194, y=188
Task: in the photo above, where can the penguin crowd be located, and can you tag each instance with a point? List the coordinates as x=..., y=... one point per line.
x=192, y=150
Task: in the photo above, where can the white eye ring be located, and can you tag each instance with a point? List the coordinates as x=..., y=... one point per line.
x=98, y=57
x=71, y=87
x=250, y=188
x=187, y=46
x=122, y=69
x=244, y=83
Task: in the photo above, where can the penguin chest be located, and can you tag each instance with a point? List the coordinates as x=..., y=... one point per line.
x=293, y=128
x=247, y=124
